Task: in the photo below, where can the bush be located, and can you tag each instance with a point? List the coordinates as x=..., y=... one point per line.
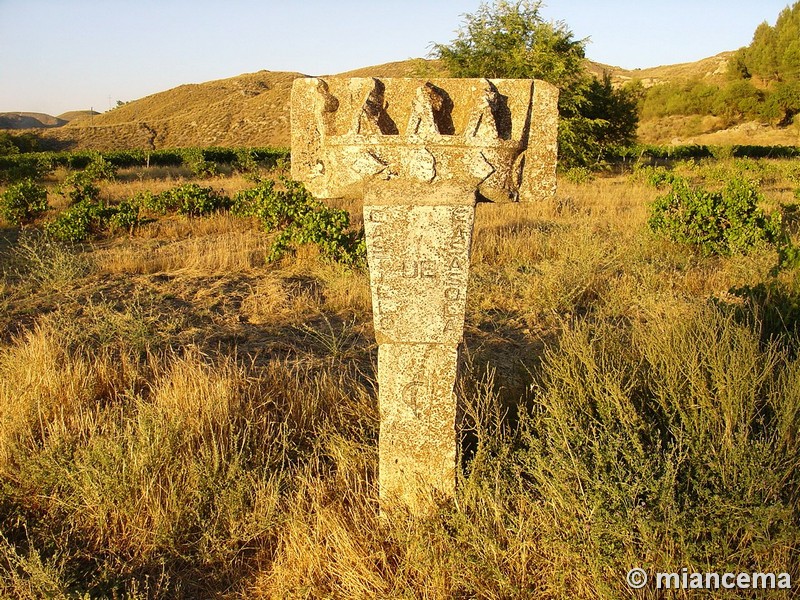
x=23, y=202
x=579, y=175
x=100, y=169
x=667, y=444
x=16, y=168
x=301, y=220
x=79, y=187
x=245, y=161
x=125, y=216
x=154, y=203
x=726, y=222
x=47, y=262
x=657, y=177
x=195, y=159
x=192, y=200
x=512, y=39
x=79, y=221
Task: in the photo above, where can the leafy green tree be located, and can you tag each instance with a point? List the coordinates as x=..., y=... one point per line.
x=774, y=58
x=11, y=144
x=774, y=53
x=511, y=39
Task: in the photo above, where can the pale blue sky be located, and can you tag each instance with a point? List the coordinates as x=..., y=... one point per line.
x=59, y=55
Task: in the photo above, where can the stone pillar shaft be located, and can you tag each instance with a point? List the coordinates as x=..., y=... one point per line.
x=418, y=243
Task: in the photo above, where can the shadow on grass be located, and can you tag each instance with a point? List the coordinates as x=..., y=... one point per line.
x=8, y=239
x=501, y=362
x=772, y=309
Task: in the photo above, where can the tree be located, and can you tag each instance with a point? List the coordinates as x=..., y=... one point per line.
x=510, y=39
x=774, y=58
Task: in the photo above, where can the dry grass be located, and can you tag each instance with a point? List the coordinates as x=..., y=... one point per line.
x=253, y=110
x=713, y=131
x=181, y=419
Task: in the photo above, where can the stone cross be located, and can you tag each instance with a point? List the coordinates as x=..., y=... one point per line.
x=420, y=153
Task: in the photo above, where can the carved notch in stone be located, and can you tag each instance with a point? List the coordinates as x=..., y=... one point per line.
x=453, y=130
x=431, y=112
x=373, y=118
x=325, y=107
x=491, y=119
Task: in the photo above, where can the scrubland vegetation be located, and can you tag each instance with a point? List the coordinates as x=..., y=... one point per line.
x=188, y=403
x=763, y=81
x=184, y=416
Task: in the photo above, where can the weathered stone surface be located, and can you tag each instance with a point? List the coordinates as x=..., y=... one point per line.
x=499, y=132
x=417, y=444
x=421, y=153
x=418, y=259
x=418, y=244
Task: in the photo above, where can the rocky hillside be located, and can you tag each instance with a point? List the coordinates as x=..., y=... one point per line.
x=31, y=120
x=253, y=110
x=248, y=110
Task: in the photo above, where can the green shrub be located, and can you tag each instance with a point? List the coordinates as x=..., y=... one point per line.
x=667, y=444
x=79, y=187
x=300, y=219
x=89, y=218
x=657, y=177
x=79, y=221
x=192, y=200
x=100, y=169
x=579, y=175
x=726, y=222
x=23, y=202
x=125, y=216
x=195, y=159
x=126, y=158
x=245, y=161
x=219, y=155
x=16, y=168
x=154, y=203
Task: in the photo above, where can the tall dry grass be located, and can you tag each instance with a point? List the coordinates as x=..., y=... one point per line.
x=181, y=419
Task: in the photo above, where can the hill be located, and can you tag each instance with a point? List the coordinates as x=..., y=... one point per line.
x=253, y=110
x=696, y=129
x=247, y=110
x=73, y=115
x=712, y=69
x=29, y=120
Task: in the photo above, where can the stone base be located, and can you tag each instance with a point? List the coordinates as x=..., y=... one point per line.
x=417, y=446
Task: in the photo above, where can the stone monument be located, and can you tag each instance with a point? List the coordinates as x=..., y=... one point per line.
x=421, y=153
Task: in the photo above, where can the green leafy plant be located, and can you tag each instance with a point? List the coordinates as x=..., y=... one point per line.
x=726, y=222
x=18, y=167
x=195, y=159
x=154, y=203
x=192, y=200
x=79, y=221
x=657, y=177
x=100, y=169
x=245, y=161
x=301, y=219
x=79, y=187
x=512, y=39
x=23, y=202
x=579, y=175
x=125, y=216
